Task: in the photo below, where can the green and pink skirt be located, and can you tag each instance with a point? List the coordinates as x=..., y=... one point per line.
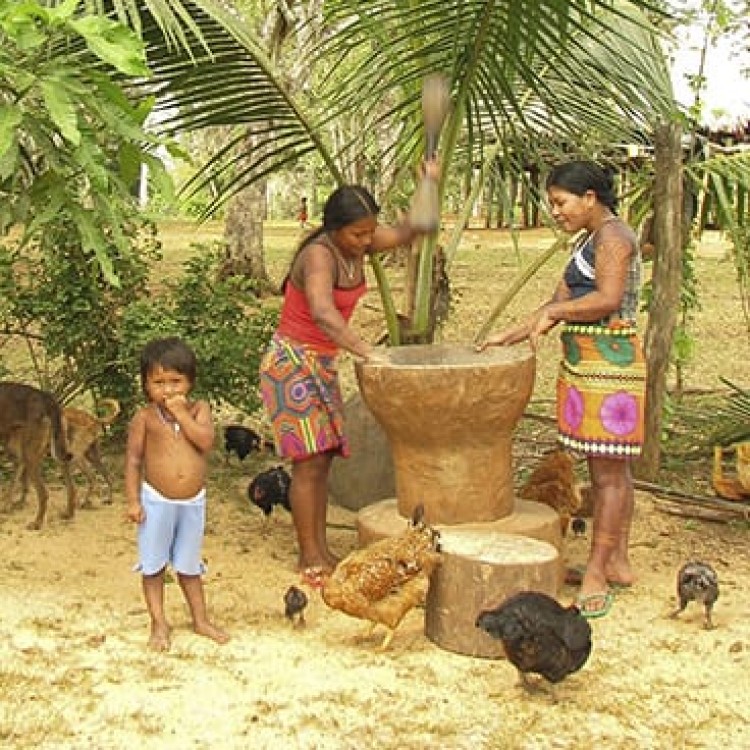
x=302, y=398
x=601, y=390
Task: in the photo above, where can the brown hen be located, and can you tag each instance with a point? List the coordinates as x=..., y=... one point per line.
x=730, y=488
x=385, y=580
x=553, y=482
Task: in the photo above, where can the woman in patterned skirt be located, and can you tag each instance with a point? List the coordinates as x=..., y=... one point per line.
x=298, y=375
x=602, y=379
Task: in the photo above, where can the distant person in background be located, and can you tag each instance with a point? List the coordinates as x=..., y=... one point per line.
x=302, y=216
x=602, y=378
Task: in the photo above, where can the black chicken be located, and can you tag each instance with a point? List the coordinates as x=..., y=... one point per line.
x=578, y=526
x=697, y=582
x=269, y=488
x=539, y=635
x=242, y=441
x=295, y=601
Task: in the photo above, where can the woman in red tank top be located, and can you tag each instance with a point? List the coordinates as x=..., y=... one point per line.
x=298, y=376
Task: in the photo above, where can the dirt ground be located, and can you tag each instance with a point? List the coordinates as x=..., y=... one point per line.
x=75, y=672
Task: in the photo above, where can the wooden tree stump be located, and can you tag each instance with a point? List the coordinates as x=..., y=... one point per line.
x=480, y=569
x=536, y=520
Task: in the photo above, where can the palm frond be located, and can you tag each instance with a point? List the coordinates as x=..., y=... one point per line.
x=519, y=70
x=733, y=417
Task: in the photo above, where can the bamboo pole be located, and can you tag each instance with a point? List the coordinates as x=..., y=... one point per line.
x=526, y=275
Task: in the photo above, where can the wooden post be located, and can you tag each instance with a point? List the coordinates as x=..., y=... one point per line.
x=667, y=282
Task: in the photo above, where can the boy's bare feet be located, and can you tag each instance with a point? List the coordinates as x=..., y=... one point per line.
x=211, y=631
x=159, y=639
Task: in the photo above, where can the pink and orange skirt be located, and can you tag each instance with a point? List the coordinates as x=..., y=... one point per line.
x=302, y=398
x=601, y=390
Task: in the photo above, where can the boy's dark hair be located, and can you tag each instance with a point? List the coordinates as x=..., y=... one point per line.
x=578, y=177
x=171, y=353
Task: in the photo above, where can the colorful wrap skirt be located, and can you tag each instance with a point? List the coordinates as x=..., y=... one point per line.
x=601, y=390
x=302, y=398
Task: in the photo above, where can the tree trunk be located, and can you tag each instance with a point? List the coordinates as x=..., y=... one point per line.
x=243, y=232
x=666, y=285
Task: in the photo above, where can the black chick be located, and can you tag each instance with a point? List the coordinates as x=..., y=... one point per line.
x=242, y=441
x=269, y=488
x=697, y=582
x=295, y=601
x=578, y=526
x=539, y=636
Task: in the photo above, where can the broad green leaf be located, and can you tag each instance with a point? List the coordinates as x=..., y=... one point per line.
x=10, y=119
x=94, y=163
x=24, y=23
x=61, y=109
x=64, y=11
x=160, y=177
x=94, y=241
x=129, y=159
x=9, y=160
x=113, y=43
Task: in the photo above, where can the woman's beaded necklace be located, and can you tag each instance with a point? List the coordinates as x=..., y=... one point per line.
x=349, y=267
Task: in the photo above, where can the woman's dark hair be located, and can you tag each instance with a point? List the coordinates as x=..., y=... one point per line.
x=348, y=204
x=578, y=177
x=345, y=205
x=170, y=353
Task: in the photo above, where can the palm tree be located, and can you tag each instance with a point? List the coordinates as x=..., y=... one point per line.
x=553, y=75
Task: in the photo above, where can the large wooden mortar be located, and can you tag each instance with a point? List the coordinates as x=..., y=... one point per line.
x=449, y=413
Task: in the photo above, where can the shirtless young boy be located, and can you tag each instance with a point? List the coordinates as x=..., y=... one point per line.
x=165, y=475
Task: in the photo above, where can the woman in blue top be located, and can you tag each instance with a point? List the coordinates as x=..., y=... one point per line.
x=602, y=378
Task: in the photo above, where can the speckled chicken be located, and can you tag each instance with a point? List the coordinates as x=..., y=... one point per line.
x=382, y=582
x=697, y=582
x=539, y=636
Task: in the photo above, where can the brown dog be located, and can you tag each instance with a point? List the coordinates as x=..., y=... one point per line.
x=31, y=422
x=82, y=433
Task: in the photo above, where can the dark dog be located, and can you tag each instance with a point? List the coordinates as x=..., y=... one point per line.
x=82, y=433
x=242, y=441
x=31, y=423
x=269, y=488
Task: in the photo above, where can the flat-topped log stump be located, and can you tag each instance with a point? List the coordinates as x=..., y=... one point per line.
x=529, y=518
x=480, y=569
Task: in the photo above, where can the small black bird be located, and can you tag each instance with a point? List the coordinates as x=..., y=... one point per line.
x=295, y=601
x=539, y=636
x=269, y=488
x=578, y=526
x=242, y=441
x=697, y=582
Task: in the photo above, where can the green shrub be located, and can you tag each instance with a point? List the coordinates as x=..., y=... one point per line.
x=222, y=319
